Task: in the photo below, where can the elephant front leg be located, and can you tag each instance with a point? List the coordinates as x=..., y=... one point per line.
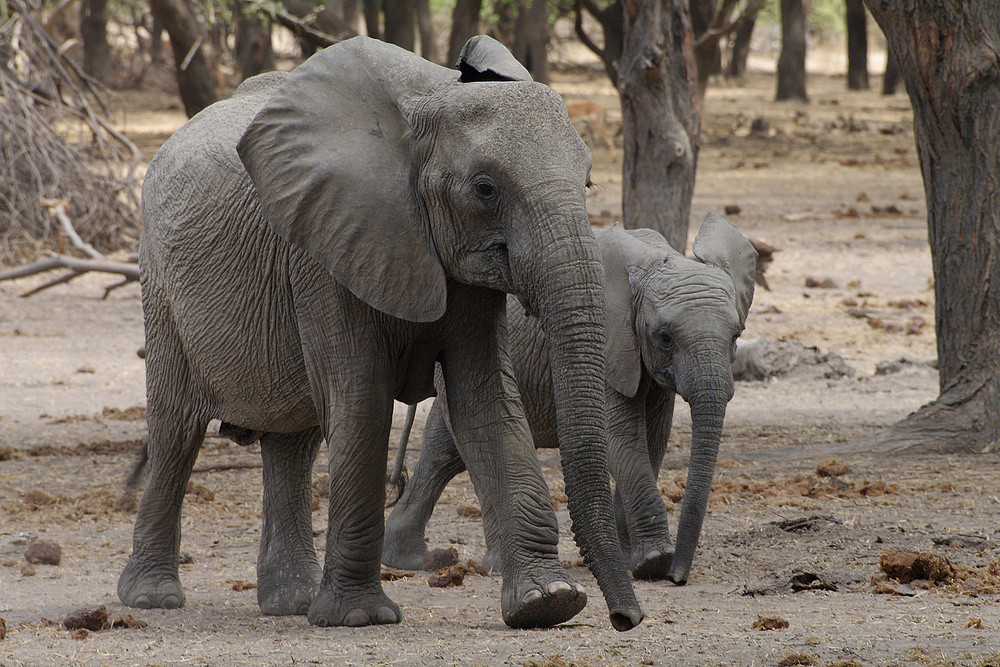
x=404, y=546
x=492, y=435
x=350, y=591
x=641, y=514
x=288, y=573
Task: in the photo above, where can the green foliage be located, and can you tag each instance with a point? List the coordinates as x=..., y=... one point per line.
x=824, y=15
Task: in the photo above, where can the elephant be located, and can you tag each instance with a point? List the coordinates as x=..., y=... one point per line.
x=311, y=248
x=672, y=325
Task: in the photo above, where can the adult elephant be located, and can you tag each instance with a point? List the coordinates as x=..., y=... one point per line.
x=310, y=248
x=672, y=324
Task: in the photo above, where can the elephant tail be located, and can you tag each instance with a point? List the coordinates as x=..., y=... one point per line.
x=397, y=478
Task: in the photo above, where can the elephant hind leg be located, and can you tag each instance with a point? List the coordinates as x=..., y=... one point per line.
x=404, y=546
x=176, y=431
x=288, y=572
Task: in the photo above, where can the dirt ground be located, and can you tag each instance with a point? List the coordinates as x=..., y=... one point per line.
x=833, y=184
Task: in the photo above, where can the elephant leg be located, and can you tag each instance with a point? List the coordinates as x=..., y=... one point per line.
x=485, y=411
x=356, y=418
x=176, y=431
x=404, y=545
x=288, y=573
x=647, y=546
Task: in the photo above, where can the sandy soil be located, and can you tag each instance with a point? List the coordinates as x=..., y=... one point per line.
x=811, y=180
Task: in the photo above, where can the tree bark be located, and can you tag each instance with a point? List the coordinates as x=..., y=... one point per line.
x=742, y=33
x=194, y=79
x=660, y=117
x=425, y=26
x=948, y=53
x=857, y=45
x=792, y=61
x=254, y=53
x=94, y=33
x=399, y=27
x=464, y=26
x=531, y=38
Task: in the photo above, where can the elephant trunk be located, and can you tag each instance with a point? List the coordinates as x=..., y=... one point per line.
x=569, y=301
x=708, y=410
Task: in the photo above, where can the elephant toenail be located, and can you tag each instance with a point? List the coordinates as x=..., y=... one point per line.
x=143, y=602
x=323, y=622
x=531, y=596
x=171, y=602
x=580, y=589
x=557, y=587
x=655, y=553
x=303, y=609
x=387, y=615
x=356, y=618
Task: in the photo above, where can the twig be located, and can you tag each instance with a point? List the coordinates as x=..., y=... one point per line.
x=190, y=54
x=58, y=209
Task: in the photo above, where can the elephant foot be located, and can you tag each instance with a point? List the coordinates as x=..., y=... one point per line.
x=375, y=608
x=653, y=565
x=150, y=587
x=541, y=604
x=287, y=591
x=401, y=549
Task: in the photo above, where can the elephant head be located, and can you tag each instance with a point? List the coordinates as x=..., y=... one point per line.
x=397, y=174
x=680, y=318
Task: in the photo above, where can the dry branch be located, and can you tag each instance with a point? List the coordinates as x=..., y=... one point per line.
x=57, y=140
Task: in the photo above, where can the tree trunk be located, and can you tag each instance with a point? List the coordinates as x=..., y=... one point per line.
x=94, y=32
x=660, y=122
x=531, y=38
x=349, y=10
x=792, y=61
x=399, y=29
x=425, y=26
x=373, y=23
x=707, y=51
x=194, y=79
x=742, y=33
x=464, y=25
x=948, y=53
x=253, y=45
x=857, y=45
x=890, y=80
x=610, y=18
x=156, y=40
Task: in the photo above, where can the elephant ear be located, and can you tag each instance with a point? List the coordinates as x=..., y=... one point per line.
x=485, y=59
x=621, y=253
x=329, y=156
x=719, y=244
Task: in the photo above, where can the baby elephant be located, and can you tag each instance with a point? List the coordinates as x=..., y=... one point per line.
x=672, y=325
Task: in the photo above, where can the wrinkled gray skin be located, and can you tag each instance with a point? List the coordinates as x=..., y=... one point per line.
x=672, y=328
x=310, y=248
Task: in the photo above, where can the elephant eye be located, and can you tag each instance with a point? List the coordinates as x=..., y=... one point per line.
x=666, y=340
x=485, y=188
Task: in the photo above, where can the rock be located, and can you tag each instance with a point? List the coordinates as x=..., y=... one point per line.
x=763, y=358
x=821, y=283
x=437, y=559
x=765, y=255
x=93, y=619
x=42, y=552
x=831, y=468
x=769, y=623
x=731, y=209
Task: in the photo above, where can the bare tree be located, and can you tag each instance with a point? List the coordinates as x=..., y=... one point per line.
x=792, y=61
x=857, y=45
x=464, y=25
x=425, y=26
x=194, y=79
x=531, y=38
x=740, y=43
x=660, y=121
x=399, y=25
x=254, y=53
x=94, y=33
x=948, y=53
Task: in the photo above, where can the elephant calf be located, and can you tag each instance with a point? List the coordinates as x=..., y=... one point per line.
x=672, y=325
